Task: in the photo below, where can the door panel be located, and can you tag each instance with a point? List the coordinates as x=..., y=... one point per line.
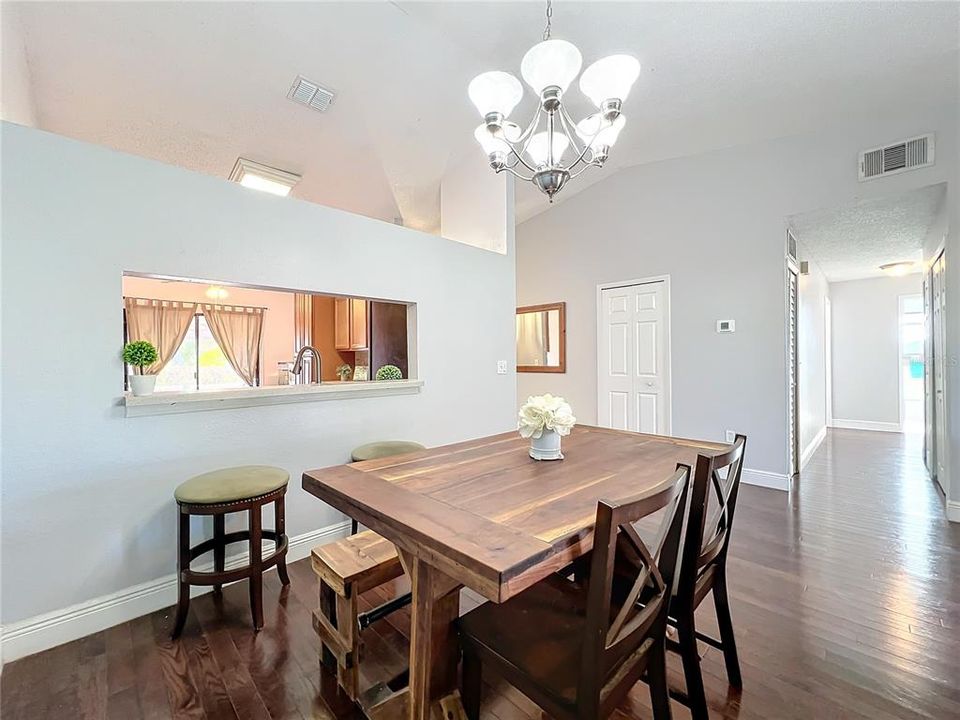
x=647, y=412
x=617, y=417
x=619, y=349
x=633, y=366
x=646, y=351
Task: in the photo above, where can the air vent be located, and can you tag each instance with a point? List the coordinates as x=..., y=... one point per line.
x=307, y=92
x=899, y=157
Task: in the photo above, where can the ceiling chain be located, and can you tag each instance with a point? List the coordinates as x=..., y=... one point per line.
x=546, y=30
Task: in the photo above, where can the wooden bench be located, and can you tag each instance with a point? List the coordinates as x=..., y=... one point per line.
x=347, y=568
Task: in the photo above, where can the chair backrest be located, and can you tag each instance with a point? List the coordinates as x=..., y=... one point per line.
x=708, y=524
x=616, y=631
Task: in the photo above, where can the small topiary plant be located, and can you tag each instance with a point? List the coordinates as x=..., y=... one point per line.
x=344, y=371
x=139, y=354
x=389, y=372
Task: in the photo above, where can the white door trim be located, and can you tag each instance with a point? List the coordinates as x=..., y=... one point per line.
x=665, y=279
x=828, y=358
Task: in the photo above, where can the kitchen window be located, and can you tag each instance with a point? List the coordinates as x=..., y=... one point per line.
x=198, y=364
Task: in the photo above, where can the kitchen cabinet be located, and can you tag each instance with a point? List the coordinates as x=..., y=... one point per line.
x=350, y=324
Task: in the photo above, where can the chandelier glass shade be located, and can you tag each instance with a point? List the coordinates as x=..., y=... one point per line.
x=552, y=148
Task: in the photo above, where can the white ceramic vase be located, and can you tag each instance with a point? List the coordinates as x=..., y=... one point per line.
x=546, y=447
x=141, y=385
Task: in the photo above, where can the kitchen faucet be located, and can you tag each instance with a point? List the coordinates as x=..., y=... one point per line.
x=298, y=363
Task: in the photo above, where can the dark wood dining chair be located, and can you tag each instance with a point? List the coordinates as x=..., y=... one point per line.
x=703, y=569
x=566, y=645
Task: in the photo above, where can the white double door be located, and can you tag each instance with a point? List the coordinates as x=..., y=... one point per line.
x=633, y=358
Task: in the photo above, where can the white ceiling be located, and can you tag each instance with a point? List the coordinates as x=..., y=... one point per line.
x=199, y=84
x=854, y=240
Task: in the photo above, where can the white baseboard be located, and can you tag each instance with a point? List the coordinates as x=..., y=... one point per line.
x=764, y=478
x=866, y=425
x=812, y=447
x=60, y=626
x=953, y=511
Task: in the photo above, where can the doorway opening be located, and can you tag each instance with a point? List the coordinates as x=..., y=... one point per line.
x=911, y=364
x=862, y=322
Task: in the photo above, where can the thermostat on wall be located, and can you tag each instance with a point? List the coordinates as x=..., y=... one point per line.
x=724, y=326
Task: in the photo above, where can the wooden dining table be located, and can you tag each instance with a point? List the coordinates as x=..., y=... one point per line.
x=484, y=515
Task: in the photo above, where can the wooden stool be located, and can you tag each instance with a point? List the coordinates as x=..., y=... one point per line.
x=225, y=491
x=378, y=450
x=346, y=569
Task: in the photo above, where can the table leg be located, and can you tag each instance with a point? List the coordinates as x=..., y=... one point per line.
x=434, y=653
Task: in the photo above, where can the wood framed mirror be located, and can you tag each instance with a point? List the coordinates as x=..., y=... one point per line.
x=542, y=338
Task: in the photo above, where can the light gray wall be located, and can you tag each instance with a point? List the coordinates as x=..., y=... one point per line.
x=716, y=223
x=811, y=337
x=88, y=494
x=866, y=347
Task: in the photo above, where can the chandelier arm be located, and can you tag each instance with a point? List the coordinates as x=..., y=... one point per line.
x=524, y=141
x=592, y=163
x=566, y=121
x=580, y=154
x=531, y=126
x=513, y=172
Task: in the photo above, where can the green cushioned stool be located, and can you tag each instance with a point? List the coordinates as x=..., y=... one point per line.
x=382, y=449
x=247, y=488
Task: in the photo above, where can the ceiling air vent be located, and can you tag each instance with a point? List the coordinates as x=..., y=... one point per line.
x=307, y=92
x=899, y=157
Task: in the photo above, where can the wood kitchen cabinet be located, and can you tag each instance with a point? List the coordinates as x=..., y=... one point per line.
x=350, y=325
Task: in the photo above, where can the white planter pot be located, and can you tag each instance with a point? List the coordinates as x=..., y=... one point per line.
x=141, y=385
x=546, y=447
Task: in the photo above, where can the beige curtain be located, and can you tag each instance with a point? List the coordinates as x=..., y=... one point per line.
x=531, y=339
x=164, y=323
x=238, y=331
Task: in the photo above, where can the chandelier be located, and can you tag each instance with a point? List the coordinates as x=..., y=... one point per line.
x=563, y=149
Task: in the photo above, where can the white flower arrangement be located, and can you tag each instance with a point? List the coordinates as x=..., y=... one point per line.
x=545, y=412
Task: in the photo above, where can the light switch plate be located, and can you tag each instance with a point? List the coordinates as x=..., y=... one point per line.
x=501, y=367
x=731, y=436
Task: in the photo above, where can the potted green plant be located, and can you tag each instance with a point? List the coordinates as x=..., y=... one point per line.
x=138, y=355
x=344, y=372
x=389, y=372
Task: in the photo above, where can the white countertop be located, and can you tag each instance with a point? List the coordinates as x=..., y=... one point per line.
x=165, y=403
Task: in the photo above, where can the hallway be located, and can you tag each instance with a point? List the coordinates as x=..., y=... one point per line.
x=845, y=597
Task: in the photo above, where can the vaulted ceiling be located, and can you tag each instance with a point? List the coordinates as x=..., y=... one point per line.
x=199, y=84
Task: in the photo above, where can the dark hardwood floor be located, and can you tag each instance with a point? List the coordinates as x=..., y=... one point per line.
x=845, y=597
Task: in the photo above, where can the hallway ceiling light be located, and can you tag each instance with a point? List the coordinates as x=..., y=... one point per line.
x=263, y=177
x=548, y=68
x=899, y=268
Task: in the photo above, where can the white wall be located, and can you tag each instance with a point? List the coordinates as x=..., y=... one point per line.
x=477, y=205
x=866, y=349
x=88, y=494
x=716, y=224
x=812, y=372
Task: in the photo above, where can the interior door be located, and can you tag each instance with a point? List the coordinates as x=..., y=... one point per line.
x=939, y=355
x=793, y=359
x=634, y=367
